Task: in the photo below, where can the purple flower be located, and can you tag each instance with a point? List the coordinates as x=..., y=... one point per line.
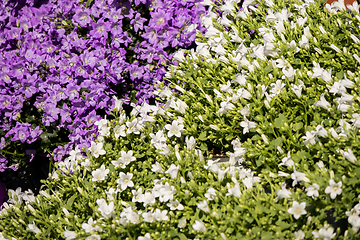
x=5, y=102
x=159, y=19
x=82, y=17
x=138, y=22
x=31, y=154
x=3, y=163
x=2, y=143
x=100, y=29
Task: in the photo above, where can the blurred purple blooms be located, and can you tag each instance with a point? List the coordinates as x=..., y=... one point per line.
x=61, y=62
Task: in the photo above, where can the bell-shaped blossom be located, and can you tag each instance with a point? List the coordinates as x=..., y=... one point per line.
x=33, y=228
x=324, y=233
x=173, y=171
x=96, y=149
x=124, y=181
x=349, y=155
x=283, y=192
x=235, y=191
x=297, y=209
x=203, y=206
x=105, y=209
x=313, y=190
x=161, y=215
x=334, y=188
x=210, y=194
x=100, y=174
x=174, y=129
x=247, y=125
x=199, y=226
x=175, y=205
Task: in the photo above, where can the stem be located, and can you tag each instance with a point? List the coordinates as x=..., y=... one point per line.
x=17, y=154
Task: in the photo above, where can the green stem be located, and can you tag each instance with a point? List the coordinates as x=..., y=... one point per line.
x=17, y=154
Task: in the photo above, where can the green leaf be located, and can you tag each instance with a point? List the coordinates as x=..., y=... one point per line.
x=88, y=3
x=203, y=147
x=202, y=136
x=297, y=126
x=280, y=121
x=71, y=200
x=340, y=75
x=182, y=236
x=268, y=69
x=108, y=146
x=277, y=142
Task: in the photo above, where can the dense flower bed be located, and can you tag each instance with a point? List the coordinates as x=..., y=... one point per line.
x=275, y=87
x=63, y=61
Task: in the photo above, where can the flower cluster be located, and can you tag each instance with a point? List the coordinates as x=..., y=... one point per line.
x=61, y=63
x=292, y=169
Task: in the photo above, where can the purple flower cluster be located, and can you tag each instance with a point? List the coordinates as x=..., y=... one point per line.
x=62, y=61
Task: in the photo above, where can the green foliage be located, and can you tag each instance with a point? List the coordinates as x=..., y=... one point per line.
x=293, y=164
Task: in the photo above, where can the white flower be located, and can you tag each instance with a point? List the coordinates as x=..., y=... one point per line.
x=235, y=191
x=97, y=149
x=297, y=209
x=33, y=228
x=173, y=171
x=226, y=87
x=299, y=235
x=119, y=131
x=175, y=205
x=323, y=103
x=125, y=159
x=149, y=216
x=225, y=107
x=148, y=199
x=105, y=209
x=100, y=174
x=349, y=155
x=137, y=195
x=240, y=79
x=287, y=161
x=199, y=226
x=298, y=176
x=313, y=190
x=133, y=127
x=93, y=237
x=277, y=87
x=146, y=237
x=247, y=125
x=86, y=164
x=182, y=223
x=174, y=129
x=157, y=168
x=166, y=192
x=310, y=137
x=158, y=139
x=297, y=90
x=75, y=154
x=243, y=93
x=110, y=192
x=203, y=206
x=69, y=235
x=283, y=192
x=129, y=215
x=290, y=73
x=210, y=194
x=179, y=106
x=324, y=233
x=190, y=142
x=334, y=188
x=161, y=215
x=124, y=181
